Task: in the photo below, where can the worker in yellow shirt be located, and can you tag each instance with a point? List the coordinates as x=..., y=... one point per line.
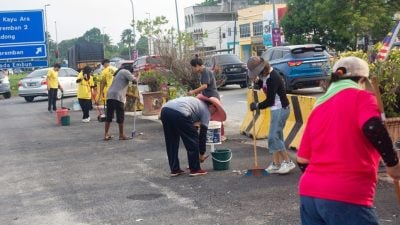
x=52, y=86
x=107, y=76
x=85, y=87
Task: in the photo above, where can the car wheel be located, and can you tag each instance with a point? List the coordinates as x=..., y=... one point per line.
x=7, y=95
x=29, y=98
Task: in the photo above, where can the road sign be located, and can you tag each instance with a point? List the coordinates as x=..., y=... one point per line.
x=22, y=51
x=26, y=64
x=17, y=27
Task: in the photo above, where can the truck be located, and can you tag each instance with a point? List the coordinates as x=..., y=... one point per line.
x=84, y=54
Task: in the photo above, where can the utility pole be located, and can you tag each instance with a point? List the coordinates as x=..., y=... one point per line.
x=234, y=35
x=179, y=31
x=273, y=13
x=104, y=42
x=56, y=53
x=149, y=39
x=46, y=32
x=220, y=38
x=133, y=27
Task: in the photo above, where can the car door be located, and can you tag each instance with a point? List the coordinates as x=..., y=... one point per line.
x=62, y=78
x=71, y=76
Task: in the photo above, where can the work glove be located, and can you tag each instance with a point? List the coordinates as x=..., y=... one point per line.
x=253, y=106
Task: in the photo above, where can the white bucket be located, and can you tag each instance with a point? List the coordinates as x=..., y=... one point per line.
x=214, y=132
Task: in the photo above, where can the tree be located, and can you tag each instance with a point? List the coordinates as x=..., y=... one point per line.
x=337, y=23
x=143, y=45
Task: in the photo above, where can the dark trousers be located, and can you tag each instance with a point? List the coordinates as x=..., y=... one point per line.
x=52, y=98
x=86, y=105
x=178, y=126
x=316, y=211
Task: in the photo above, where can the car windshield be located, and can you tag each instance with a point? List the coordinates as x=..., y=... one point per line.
x=154, y=60
x=38, y=73
x=224, y=59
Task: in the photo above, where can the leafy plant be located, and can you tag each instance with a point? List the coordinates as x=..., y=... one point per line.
x=388, y=74
x=154, y=79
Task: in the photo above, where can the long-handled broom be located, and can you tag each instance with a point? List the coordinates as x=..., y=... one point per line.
x=256, y=170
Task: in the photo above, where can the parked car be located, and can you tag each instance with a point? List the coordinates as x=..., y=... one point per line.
x=228, y=69
x=301, y=66
x=35, y=83
x=146, y=63
x=4, y=85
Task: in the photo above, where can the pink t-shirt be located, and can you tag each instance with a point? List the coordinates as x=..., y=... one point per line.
x=343, y=164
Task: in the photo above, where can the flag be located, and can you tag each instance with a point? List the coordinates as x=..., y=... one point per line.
x=388, y=43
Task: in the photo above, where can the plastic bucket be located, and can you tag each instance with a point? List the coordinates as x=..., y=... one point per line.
x=214, y=132
x=61, y=113
x=65, y=120
x=221, y=159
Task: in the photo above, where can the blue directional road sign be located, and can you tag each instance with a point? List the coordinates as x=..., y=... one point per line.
x=17, y=27
x=26, y=64
x=22, y=51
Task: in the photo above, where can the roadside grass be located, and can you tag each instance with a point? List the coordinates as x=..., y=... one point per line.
x=14, y=83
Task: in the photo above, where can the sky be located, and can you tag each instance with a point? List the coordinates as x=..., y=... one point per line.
x=68, y=19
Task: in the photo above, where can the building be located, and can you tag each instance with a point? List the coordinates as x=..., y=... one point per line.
x=256, y=25
x=216, y=27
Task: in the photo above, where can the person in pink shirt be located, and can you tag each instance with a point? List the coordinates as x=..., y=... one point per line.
x=340, y=151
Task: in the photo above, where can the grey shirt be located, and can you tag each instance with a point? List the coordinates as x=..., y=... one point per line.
x=191, y=106
x=119, y=86
x=207, y=77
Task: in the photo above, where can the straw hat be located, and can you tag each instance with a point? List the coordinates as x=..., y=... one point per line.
x=220, y=114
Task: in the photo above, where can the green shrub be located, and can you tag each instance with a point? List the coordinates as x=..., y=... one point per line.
x=14, y=79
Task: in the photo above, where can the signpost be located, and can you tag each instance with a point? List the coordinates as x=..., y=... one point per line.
x=25, y=64
x=22, y=36
x=22, y=51
x=18, y=27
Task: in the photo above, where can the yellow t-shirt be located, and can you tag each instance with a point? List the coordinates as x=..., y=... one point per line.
x=107, y=74
x=84, y=90
x=52, y=78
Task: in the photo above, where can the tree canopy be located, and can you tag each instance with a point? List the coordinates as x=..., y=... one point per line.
x=338, y=23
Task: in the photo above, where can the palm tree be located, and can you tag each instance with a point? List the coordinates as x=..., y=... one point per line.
x=126, y=39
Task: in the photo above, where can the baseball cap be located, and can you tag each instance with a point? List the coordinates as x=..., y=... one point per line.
x=352, y=67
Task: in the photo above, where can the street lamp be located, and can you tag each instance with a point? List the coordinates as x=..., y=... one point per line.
x=45, y=30
x=133, y=26
x=179, y=31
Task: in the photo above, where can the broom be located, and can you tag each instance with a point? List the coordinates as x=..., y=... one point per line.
x=256, y=170
x=375, y=87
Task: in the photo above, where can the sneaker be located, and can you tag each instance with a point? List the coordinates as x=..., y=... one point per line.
x=87, y=120
x=286, y=167
x=200, y=172
x=176, y=173
x=272, y=168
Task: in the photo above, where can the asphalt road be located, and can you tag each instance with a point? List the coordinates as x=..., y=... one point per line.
x=67, y=175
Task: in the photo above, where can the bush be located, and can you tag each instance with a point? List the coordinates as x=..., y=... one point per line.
x=154, y=79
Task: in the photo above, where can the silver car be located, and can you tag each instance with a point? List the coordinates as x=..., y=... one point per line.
x=4, y=85
x=35, y=83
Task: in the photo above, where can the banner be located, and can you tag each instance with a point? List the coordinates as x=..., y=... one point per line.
x=268, y=20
